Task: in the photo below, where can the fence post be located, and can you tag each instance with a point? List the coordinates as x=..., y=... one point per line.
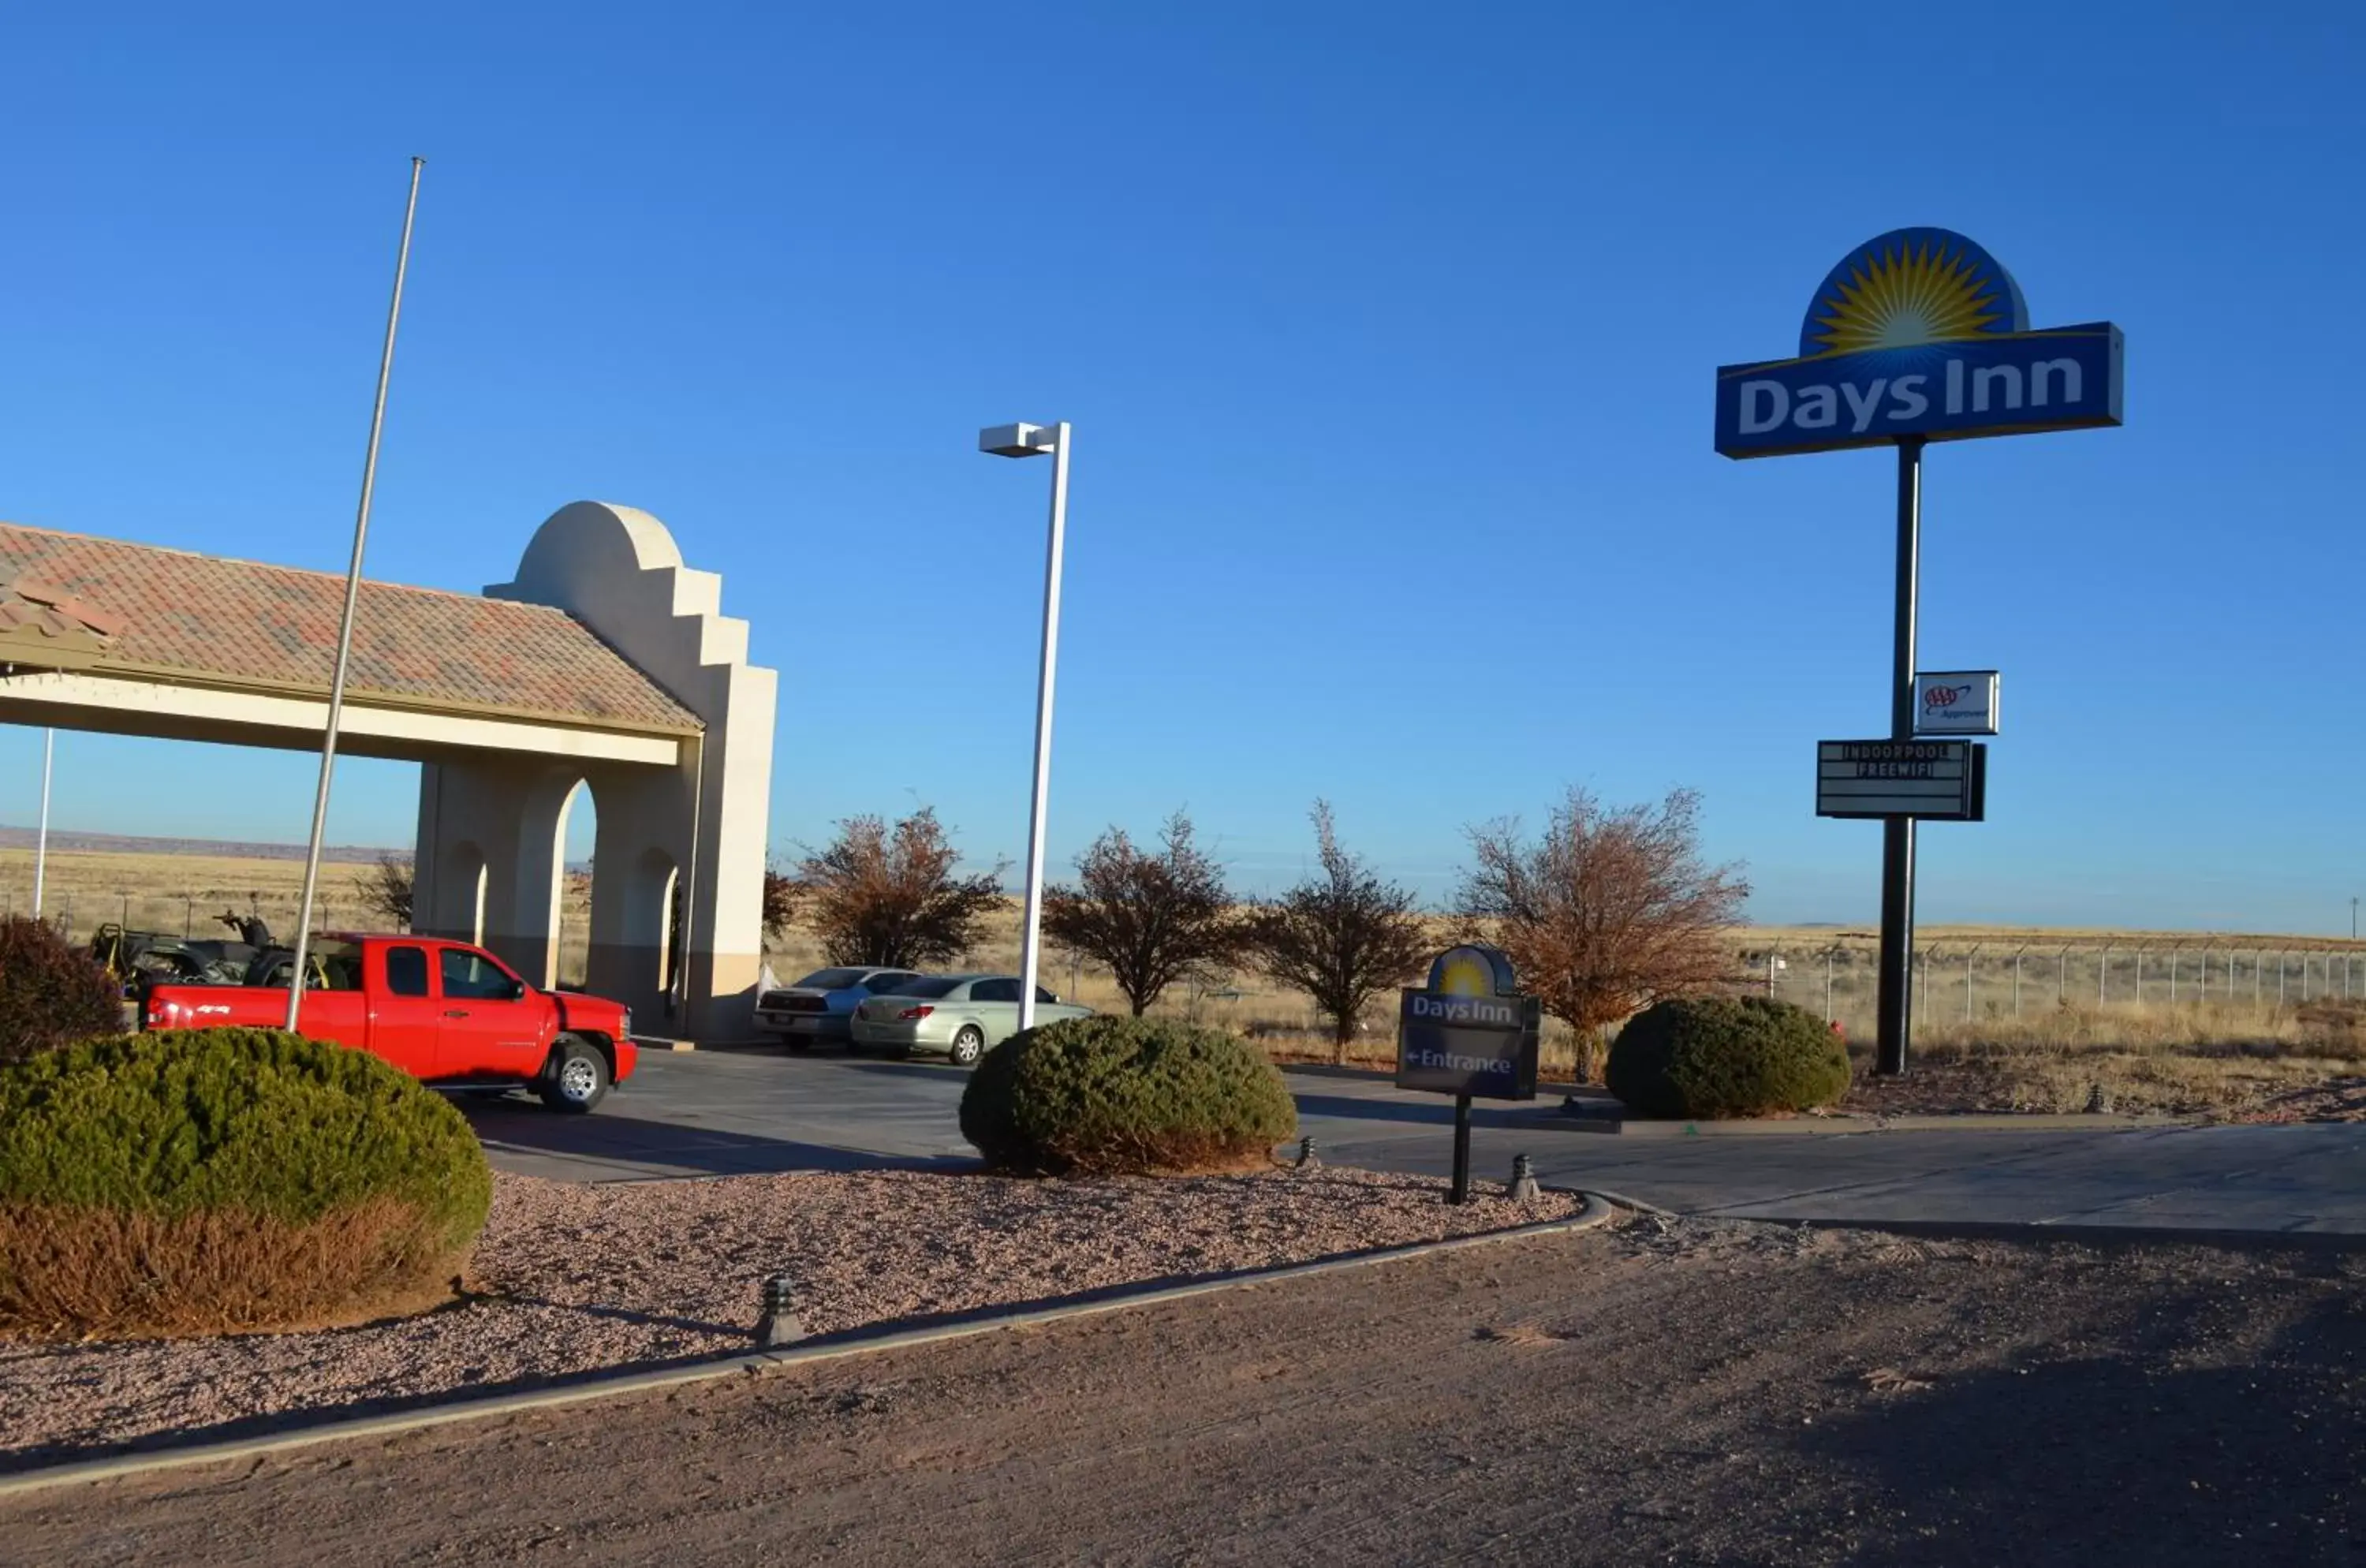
x=2016, y=979
x=1923, y=989
x=2061, y=973
x=2103, y=969
x=2174, y=949
x=1968, y=957
x=1828, y=983
x=2283, y=965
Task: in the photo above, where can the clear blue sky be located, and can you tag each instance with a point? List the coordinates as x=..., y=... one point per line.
x=1389, y=335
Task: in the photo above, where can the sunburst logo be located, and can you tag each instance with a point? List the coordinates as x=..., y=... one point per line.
x=1908, y=289
x=1465, y=974
x=1471, y=971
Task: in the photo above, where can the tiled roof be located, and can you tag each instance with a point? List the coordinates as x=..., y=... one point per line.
x=240, y=624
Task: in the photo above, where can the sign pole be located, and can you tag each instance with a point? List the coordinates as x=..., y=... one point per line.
x=1460, y=1192
x=1897, y=998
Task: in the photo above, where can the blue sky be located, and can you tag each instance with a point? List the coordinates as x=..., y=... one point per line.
x=1388, y=340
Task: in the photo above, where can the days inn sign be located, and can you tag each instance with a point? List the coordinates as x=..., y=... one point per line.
x=1919, y=332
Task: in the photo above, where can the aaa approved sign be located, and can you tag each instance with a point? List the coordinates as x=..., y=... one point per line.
x=1960, y=702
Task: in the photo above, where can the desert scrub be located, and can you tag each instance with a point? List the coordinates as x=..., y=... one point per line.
x=1108, y=1095
x=1711, y=1056
x=220, y=1179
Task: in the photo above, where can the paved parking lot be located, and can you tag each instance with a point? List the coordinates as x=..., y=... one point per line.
x=708, y=1113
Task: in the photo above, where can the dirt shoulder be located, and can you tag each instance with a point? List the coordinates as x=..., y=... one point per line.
x=1668, y=1392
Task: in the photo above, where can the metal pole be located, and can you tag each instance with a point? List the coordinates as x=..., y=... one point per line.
x=1828, y=985
x=2102, y=973
x=1968, y=957
x=2016, y=979
x=1460, y=1191
x=1896, y=985
x=41, y=844
x=346, y=625
x=2061, y=975
x=1028, y=942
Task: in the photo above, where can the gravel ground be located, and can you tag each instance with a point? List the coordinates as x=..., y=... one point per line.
x=571, y=1279
x=1689, y=1392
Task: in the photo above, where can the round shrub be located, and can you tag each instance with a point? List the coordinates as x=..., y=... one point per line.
x=225, y=1179
x=1710, y=1056
x=51, y=994
x=1110, y=1095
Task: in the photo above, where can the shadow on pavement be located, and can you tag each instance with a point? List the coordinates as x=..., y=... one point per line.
x=605, y=1136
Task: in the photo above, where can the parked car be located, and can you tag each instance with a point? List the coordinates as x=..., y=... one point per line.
x=961, y=1016
x=818, y=1007
x=444, y=1012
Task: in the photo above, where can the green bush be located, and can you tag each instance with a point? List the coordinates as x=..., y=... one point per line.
x=1711, y=1056
x=51, y=994
x=226, y=1179
x=1107, y=1095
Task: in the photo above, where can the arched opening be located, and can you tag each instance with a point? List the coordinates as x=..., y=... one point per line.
x=571, y=872
x=653, y=922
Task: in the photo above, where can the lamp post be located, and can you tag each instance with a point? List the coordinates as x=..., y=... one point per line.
x=1034, y=441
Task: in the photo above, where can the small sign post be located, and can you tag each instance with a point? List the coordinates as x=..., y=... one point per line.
x=1469, y=1033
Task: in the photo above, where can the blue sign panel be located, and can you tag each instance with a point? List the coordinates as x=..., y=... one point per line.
x=1919, y=332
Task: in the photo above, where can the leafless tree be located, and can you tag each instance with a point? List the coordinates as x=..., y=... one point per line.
x=1610, y=911
x=781, y=891
x=1153, y=917
x=882, y=895
x=385, y=889
x=1342, y=937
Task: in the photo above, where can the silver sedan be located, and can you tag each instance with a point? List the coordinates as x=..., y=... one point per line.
x=959, y=1016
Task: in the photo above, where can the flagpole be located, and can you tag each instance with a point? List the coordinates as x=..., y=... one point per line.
x=346, y=626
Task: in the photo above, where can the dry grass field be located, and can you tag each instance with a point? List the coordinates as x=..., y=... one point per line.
x=2007, y=1019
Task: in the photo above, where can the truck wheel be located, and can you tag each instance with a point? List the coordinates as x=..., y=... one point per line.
x=576, y=1077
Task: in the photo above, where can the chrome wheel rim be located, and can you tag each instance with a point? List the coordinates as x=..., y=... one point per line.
x=579, y=1078
x=966, y=1047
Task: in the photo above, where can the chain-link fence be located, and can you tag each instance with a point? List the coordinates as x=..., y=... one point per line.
x=1970, y=981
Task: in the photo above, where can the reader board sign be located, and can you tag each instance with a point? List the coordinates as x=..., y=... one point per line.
x=1959, y=702
x=1919, y=332
x=1469, y=1031
x=1942, y=781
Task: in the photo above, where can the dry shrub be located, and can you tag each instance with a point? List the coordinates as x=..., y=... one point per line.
x=1112, y=1094
x=225, y=1179
x=114, y=1272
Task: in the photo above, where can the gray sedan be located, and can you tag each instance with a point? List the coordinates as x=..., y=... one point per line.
x=959, y=1016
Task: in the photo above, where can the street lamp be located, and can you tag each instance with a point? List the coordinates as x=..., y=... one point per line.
x=1033, y=441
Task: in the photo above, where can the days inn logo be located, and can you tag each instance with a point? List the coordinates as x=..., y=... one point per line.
x=1919, y=332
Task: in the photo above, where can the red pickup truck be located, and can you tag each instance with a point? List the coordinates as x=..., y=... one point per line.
x=449, y=1013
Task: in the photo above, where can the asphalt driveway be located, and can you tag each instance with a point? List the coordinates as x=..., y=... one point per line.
x=711, y=1114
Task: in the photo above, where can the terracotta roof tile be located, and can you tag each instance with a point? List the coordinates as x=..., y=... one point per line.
x=238, y=623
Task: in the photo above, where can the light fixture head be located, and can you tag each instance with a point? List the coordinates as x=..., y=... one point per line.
x=1018, y=440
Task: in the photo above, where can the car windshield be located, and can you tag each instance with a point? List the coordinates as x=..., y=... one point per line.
x=831, y=980
x=928, y=986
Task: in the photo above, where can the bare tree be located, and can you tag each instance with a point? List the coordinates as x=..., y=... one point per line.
x=889, y=895
x=1151, y=917
x=781, y=891
x=385, y=889
x=1342, y=937
x=1610, y=911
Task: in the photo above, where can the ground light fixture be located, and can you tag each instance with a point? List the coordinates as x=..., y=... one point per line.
x=1035, y=441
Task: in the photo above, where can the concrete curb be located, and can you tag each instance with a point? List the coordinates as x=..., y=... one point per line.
x=1597, y=1212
